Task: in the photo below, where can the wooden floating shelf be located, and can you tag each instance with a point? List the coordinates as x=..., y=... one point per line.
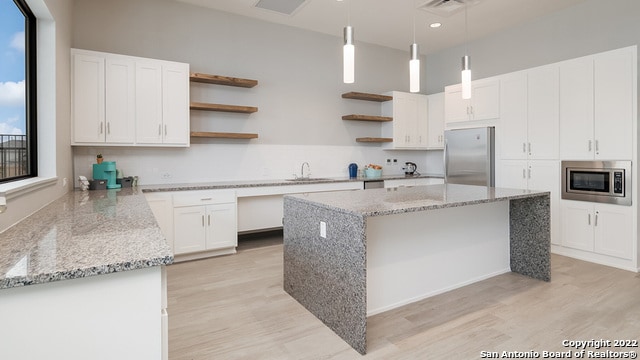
x=366, y=96
x=366, y=118
x=223, y=107
x=222, y=80
x=373, y=140
x=223, y=135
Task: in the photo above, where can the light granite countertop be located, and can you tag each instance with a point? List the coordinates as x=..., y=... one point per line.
x=378, y=202
x=84, y=233
x=275, y=182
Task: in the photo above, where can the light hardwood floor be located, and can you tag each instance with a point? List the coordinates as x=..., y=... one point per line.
x=233, y=307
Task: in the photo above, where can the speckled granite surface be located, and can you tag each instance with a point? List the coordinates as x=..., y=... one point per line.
x=328, y=278
x=378, y=202
x=262, y=183
x=328, y=275
x=530, y=237
x=83, y=234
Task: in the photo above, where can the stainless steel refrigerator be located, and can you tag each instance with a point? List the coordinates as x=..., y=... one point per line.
x=469, y=156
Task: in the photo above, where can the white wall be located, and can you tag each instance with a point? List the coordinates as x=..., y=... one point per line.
x=299, y=72
x=587, y=28
x=298, y=95
x=54, y=152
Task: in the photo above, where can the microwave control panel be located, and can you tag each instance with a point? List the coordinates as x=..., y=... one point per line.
x=617, y=182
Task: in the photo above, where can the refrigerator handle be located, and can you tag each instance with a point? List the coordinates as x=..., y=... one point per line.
x=445, y=160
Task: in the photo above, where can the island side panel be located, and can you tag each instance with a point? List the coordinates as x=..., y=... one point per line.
x=530, y=237
x=327, y=275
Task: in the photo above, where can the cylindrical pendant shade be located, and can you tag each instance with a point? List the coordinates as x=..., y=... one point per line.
x=414, y=69
x=466, y=77
x=348, y=53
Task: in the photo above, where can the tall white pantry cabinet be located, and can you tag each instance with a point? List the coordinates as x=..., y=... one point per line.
x=578, y=109
x=120, y=100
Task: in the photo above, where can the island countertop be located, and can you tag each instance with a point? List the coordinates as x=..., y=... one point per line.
x=378, y=202
x=84, y=233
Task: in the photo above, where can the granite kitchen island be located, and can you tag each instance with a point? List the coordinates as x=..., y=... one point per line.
x=352, y=254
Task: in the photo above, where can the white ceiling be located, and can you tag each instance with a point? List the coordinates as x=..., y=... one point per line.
x=390, y=22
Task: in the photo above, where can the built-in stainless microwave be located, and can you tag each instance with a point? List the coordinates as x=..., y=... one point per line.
x=597, y=181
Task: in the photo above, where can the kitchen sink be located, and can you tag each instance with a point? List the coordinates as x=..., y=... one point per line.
x=309, y=179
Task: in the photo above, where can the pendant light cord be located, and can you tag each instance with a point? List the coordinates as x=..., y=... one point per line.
x=466, y=30
x=414, y=21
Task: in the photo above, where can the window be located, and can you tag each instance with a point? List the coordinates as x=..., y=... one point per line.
x=18, y=155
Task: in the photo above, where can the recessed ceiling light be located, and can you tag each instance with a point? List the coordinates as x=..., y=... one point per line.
x=435, y=25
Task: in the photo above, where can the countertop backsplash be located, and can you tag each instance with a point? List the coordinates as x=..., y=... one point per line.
x=239, y=162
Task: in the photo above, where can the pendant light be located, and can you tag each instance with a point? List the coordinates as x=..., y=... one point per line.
x=348, y=53
x=414, y=62
x=466, y=62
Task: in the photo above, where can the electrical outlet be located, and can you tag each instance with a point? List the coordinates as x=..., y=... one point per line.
x=395, y=162
x=323, y=229
x=388, y=162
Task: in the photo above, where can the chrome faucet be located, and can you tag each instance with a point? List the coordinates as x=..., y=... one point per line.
x=302, y=170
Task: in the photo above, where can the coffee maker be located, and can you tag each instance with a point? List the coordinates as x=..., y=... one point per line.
x=410, y=168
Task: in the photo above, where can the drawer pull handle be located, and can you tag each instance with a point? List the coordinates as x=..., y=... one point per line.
x=205, y=199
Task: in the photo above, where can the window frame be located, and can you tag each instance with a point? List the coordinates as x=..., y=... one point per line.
x=31, y=90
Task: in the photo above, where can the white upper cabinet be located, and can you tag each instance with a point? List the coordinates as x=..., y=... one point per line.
x=435, y=121
x=162, y=90
x=175, y=103
x=120, y=100
x=484, y=103
x=576, y=109
x=597, y=106
x=513, y=115
x=149, y=103
x=87, y=100
x=543, y=113
x=614, y=105
x=409, y=126
x=529, y=114
x=128, y=101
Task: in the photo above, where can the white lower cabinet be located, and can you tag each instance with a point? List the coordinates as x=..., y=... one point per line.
x=543, y=175
x=204, y=221
x=412, y=182
x=600, y=228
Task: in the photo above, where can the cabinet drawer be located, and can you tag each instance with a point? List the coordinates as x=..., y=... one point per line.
x=206, y=197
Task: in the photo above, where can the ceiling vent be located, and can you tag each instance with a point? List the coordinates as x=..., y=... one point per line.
x=446, y=8
x=282, y=7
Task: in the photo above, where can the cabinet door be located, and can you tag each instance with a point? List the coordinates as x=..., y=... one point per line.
x=513, y=174
x=576, y=109
x=543, y=113
x=613, y=227
x=120, y=100
x=404, y=113
x=189, y=229
x=485, y=99
x=175, y=103
x=513, y=115
x=614, y=104
x=577, y=228
x=88, y=99
x=149, y=103
x=435, y=121
x=456, y=109
x=222, y=228
x=420, y=132
x=544, y=175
